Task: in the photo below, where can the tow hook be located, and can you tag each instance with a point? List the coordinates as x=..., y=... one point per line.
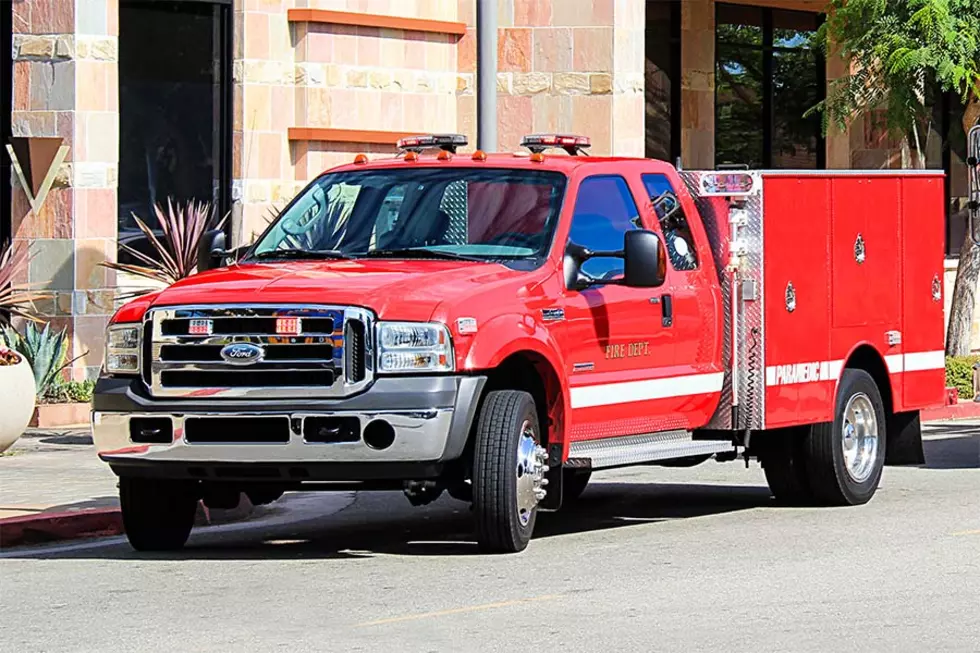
x=421, y=493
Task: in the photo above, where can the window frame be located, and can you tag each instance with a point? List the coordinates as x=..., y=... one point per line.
x=637, y=222
x=687, y=222
x=767, y=50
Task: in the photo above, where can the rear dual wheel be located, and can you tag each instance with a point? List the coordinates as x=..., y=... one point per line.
x=837, y=463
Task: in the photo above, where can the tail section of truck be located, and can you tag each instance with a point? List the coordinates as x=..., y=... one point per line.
x=823, y=271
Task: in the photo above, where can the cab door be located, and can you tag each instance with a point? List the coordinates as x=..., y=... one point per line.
x=695, y=298
x=620, y=347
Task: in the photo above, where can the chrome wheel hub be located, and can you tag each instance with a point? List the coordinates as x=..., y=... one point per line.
x=532, y=463
x=860, y=437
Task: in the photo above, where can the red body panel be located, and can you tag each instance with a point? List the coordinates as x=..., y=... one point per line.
x=861, y=253
x=671, y=374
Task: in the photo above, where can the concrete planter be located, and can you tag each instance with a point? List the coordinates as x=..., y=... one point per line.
x=18, y=391
x=56, y=415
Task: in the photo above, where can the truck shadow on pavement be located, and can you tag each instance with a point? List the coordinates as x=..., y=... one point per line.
x=384, y=524
x=959, y=450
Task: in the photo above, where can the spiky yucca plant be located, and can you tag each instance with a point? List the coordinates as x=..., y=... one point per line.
x=46, y=351
x=15, y=301
x=176, y=253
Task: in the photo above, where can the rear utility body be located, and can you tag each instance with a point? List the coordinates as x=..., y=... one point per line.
x=500, y=326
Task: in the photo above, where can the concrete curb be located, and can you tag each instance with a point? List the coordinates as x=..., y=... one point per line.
x=964, y=410
x=54, y=526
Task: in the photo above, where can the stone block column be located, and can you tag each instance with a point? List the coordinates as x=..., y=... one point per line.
x=563, y=66
x=66, y=85
x=698, y=83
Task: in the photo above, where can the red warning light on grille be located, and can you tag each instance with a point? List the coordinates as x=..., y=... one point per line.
x=287, y=326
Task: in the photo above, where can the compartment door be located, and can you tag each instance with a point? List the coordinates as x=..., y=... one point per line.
x=865, y=253
x=923, y=325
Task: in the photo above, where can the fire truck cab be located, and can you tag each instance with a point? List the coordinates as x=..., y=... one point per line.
x=500, y=326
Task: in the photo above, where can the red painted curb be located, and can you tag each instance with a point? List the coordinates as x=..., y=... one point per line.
x=965, y=410
x=48, y=527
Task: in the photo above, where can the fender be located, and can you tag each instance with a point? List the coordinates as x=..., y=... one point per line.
x=508, y=334
x=895, y=394
x=134, y=310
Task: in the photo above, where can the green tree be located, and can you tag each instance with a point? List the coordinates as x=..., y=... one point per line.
x=896, y=49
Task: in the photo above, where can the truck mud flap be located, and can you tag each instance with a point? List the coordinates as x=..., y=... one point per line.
x=904, y=445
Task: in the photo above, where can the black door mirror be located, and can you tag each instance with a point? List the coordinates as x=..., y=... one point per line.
x=645, y=259
x=211, y=251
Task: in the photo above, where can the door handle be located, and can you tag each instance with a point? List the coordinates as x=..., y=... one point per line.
x=667, y=310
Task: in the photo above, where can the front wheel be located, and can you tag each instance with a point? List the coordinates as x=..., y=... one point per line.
x=157, y=515
x=844, y=459
x=509, y=469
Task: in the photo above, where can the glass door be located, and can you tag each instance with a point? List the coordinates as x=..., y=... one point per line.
x=175, y=109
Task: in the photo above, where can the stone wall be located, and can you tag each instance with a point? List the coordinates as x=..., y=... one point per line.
x=563, y=66
x=66, y=84
x=325, y=76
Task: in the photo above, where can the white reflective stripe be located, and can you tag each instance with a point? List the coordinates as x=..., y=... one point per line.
x=895, y=363
x=816, y=372
x=925, y=360
x=812, y=372
x=606, y=394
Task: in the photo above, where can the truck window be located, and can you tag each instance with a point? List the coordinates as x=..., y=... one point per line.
x=493, y=214
x=604, y=212
x=673, y=223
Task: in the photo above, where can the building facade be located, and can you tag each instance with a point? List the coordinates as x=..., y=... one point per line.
x=241, y=102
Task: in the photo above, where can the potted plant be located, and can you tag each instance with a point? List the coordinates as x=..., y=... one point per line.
x=17, y=385
x=59, y=402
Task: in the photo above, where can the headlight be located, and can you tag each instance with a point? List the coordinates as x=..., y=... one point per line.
x=122, y=349
x=414, y=347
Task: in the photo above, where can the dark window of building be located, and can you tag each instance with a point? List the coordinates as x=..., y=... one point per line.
x=6, y=100
x=604, y=212
x=945, y=147
x=766, y=77
x=663, y=80
x=174, y=109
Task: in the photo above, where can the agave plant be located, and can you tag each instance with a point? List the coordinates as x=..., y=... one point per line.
x=46, y=352
x=14, y=301
x=176, y=253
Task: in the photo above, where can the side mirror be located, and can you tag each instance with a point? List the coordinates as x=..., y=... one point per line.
x=211, y=250
x=645, y=259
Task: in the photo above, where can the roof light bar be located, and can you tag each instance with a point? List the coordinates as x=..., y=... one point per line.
x=446, y=142
x=571, y=143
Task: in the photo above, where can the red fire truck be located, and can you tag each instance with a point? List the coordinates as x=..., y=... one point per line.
x=500, y=326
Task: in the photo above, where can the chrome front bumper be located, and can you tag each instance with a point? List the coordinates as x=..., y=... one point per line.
x=425, y=434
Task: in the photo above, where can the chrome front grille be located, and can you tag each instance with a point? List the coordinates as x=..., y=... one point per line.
x=326, y=352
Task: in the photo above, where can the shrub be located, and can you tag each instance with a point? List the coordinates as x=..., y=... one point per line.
x=72, y=392
x=959, y=374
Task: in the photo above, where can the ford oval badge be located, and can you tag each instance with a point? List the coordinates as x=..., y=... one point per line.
x=242, y=353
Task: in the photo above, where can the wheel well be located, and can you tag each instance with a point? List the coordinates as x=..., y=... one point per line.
x=868, y=359
x=532, y=373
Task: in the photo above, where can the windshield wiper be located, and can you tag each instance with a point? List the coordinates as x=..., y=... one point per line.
x=421, y=252
x=302, y=254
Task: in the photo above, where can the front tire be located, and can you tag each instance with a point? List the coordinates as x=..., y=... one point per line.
x=844, y=459
x=508, y=472
x=157, y=515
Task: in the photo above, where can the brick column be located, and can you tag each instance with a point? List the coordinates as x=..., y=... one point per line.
x=66, y=84
x=698, y=83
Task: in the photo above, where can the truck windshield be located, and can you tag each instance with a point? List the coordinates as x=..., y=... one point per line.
x=484, y=214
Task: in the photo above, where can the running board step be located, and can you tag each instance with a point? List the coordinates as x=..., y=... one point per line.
x=633, y=449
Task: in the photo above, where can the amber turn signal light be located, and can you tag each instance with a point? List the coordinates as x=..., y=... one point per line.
x=444, y=155
x=479, y=155
x=411, y=156
x=360, y=158
x=537, y=157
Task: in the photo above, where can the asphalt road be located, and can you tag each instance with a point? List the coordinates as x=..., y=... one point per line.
x=652, y=559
